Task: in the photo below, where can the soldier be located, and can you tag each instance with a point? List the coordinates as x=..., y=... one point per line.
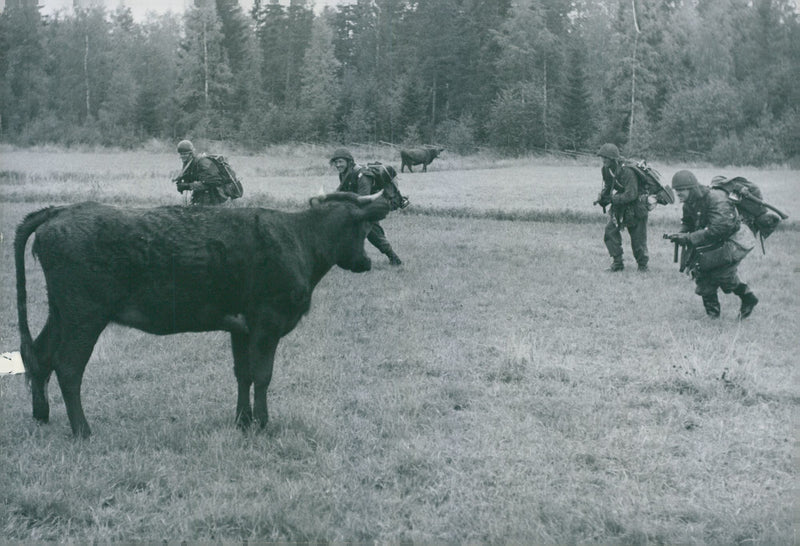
x=200, y=175
x=711, y=220
x=354, y=179
x=621, y=191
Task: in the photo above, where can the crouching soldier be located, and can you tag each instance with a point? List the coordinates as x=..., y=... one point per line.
x=354, y=179
x=200, y=175
x=713, y=234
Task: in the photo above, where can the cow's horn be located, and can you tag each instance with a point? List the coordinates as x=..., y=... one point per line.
x=366, y=199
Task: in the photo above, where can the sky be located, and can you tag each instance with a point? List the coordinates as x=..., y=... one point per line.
x=139, y=8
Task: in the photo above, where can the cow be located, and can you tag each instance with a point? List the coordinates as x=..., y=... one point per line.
x=164, y=270
x=415, y=156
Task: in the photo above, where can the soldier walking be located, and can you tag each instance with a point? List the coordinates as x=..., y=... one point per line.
x=621, y=191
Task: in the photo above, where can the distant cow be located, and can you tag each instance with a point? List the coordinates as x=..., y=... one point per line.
x=166, y=270
x=416, y=156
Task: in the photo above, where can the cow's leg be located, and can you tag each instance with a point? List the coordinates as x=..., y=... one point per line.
x=69, y=363
x=241, y=369
x=43, y=348
x=424, y=167
x=262, y=356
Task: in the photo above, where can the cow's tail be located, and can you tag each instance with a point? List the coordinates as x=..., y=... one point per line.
x=31, y=222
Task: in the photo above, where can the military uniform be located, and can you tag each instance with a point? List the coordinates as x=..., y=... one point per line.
x=204, y=170
x=360, y=181
x=621, y=191
x=711, y=219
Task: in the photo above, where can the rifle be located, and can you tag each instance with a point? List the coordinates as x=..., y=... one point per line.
x=183, y=186
x=683, y=252
x=744, y=193
x=600, y=195
x=597, y=202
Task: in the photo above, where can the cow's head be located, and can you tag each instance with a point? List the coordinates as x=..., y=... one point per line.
x=433, y=151
x=348, y=220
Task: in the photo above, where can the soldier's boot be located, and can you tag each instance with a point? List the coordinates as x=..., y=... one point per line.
x=711, y=303
x=749, y=300
x=617, y=264
x=394, y=259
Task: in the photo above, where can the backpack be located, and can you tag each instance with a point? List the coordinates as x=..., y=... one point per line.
x=384, y=177
x=650, y=184
x=761, y=218
x=232, y=187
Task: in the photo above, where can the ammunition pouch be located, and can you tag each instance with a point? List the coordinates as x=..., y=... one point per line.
x=641, y=207
x=719, y=255
x=629, y=214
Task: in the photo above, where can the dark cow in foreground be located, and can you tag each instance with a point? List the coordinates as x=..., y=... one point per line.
x=416, y=156
x=250, y=271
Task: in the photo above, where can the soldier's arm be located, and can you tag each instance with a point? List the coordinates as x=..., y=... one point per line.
x=208, y=174
x=627, y=178
x=604, y=197
x=723, y=222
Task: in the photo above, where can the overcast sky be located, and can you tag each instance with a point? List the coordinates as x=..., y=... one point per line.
x=140, y=7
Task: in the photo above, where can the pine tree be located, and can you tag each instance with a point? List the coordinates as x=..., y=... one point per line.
x=577, y=120
x=319, y=85
x=205, y=90
x=22, y=78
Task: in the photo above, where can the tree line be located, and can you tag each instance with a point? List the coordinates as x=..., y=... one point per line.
x=679, y=79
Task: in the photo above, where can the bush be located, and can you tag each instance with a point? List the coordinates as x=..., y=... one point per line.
x=695, y=118
x=46, y=129
x=515, y=120
x=758, y=146
x=789, y=134
x=457, y=135
x=726, y=151
x=641, y=142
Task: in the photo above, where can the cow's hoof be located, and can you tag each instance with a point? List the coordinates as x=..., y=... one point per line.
x=244, y=420
x=82, y=433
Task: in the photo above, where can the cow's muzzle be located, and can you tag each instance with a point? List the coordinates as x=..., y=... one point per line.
x=362, y=265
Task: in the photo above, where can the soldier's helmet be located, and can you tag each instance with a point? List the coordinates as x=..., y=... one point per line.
x=682, y=180
x=185, y=146
x=609, y=150
x=342, y=153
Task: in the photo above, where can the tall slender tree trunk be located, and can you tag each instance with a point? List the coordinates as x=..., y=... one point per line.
x=86, y=75
x=205, y=67
x=633, y=73
x=433, y=110
x=287, y=94
x=633, y=88
x=544, y=110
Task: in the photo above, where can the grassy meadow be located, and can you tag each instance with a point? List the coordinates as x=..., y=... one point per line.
x=500, y=386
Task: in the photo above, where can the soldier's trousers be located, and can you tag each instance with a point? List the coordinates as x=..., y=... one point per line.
x=638, y=232
x=377, y=237
x=726, y=278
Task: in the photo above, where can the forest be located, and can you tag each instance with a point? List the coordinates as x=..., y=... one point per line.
x=706, y=80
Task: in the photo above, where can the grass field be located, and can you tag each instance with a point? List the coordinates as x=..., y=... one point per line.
x=500, y=386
